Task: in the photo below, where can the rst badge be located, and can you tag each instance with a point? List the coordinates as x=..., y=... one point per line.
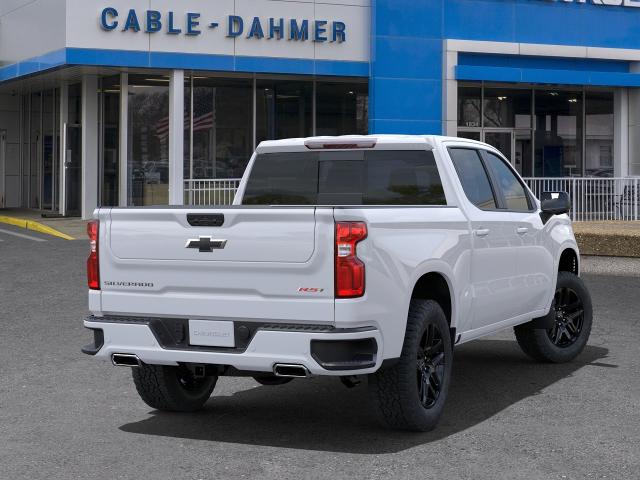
x=310, y=290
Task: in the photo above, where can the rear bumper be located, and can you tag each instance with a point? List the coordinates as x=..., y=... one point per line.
x=268, y=345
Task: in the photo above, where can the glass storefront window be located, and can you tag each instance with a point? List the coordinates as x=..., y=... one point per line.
x=148, y=140
x=73, y=155
x=544, y=131
x=75, y=104
x=599, y=134
x=222, y=128
x=558, y=136
x=110, y=89
x=34, y=139
x=469, y=106
x=283, y=109
x=341, y=108
x=507, y=108
x=48, y=150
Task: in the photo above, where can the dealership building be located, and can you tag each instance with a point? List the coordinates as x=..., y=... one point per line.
x=151, y=102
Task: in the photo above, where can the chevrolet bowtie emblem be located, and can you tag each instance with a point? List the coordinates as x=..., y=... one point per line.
x=206, y=244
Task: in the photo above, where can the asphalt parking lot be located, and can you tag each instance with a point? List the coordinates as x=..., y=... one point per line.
x=64, y=415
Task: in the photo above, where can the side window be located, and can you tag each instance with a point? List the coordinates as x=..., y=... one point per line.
x=515, y=196
x=473, y=177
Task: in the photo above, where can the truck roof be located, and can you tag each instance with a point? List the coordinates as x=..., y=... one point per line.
x=383, y=141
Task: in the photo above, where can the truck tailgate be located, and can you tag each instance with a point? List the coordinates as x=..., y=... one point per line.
x=260, y=264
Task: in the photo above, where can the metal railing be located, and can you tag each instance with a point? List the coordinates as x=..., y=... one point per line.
x=593, y=198
x=218, y=191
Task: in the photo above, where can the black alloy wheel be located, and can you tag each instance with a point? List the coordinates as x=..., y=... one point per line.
x=573, y=320
x=410, y=394
x=569, y=318
x=430, y=366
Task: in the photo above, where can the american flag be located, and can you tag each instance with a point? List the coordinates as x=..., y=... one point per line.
x=203, y=122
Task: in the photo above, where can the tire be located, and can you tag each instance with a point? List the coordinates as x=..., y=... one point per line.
x=270, y=380
x=399, y=394
x=173, y=389
x=574, y=318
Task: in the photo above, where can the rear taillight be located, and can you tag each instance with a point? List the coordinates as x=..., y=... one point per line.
x=93, y=267
x=349, y=268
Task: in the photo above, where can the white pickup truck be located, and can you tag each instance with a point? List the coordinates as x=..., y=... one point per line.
x=342, y=256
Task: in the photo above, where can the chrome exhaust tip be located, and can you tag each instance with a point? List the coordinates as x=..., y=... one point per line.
x=125, y=360
x=290, y=371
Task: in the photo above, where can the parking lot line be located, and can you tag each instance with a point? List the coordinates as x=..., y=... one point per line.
x=22, y=235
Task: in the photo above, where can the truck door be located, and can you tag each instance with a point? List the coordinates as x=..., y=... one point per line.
x=535, y=263
x=494, y=272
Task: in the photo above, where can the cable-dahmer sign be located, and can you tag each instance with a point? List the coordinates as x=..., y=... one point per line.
x=191, y=23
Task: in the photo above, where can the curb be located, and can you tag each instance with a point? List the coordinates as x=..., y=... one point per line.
x=35, y=226
x=608, y=244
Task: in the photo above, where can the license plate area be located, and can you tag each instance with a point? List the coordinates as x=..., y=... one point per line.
x=211, y=333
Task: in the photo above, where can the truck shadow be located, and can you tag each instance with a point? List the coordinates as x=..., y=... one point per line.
x=320, y=414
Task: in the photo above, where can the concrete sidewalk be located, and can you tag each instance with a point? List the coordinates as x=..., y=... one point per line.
x=64, y=227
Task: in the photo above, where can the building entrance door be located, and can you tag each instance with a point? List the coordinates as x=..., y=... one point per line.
x=3, y=168
x=515, y=145
x=72, y=170
x=501, y=140
x=49, y=153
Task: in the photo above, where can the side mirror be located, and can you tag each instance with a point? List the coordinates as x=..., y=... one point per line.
x=555, y=203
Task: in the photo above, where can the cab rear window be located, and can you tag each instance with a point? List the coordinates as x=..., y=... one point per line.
x=378, y=177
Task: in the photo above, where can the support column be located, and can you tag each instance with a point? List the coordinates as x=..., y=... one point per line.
x=450, y=93
x=621, y=133
x=123, y=183
x=64, y=119
x=89, y=145
x=176, y=138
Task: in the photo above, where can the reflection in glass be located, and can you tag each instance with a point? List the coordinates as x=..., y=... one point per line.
x=148, y=142
x=599, y=134
x=471, y=135
x=469, y=106
x=222, y=128
x=502, y=141
x=283, y=109
x=341, y=108
x=558, y=151
x=507, y=108
x=522, y=153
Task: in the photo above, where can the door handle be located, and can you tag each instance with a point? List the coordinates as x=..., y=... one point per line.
x=522, y=230
x=482, y=232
